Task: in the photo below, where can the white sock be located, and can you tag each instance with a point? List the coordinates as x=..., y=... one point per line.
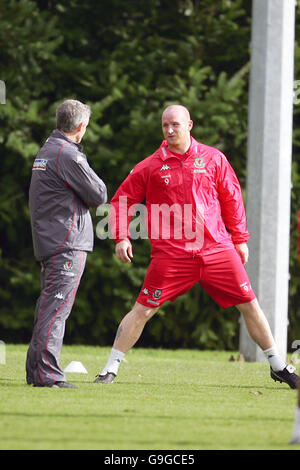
x=274, y=359
x=114, y=361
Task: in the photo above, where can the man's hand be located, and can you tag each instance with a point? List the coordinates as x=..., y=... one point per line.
x=124, y=251
x=243, y=251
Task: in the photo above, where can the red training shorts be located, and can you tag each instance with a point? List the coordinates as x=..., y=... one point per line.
x=222, y=275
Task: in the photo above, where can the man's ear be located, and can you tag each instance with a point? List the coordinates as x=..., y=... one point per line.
x=78, y=129
x=191, y=125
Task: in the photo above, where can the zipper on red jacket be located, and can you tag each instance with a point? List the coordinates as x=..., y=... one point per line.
x=184, y=190
x=183, y=185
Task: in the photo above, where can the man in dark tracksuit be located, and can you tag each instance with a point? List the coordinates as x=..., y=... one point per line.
x=63, y=187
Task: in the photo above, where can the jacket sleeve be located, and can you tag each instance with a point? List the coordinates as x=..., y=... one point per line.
x=231, y=202
x=75, y=171
x=132, y=191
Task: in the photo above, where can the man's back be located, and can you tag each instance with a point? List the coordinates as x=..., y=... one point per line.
x=62, y=188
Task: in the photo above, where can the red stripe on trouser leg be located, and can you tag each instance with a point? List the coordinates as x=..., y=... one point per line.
x=40, y=320
x=60, y=280
x=71, y=297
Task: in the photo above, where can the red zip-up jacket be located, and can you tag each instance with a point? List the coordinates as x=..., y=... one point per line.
x=194, y=206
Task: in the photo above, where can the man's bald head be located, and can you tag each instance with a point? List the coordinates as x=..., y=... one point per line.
x=179, y=109
x=176, y=127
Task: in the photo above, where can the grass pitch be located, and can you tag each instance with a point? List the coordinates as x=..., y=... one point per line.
x=161, y=400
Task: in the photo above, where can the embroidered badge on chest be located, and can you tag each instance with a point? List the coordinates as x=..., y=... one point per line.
x=199, y=165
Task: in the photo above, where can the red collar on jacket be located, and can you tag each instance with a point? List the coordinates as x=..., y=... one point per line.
x=165, y=153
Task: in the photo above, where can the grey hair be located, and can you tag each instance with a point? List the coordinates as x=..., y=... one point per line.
x=70, y=114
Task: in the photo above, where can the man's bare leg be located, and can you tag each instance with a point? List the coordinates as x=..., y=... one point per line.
x=259, y=330
x=128, y=333
x=257, y=324
x=131, y=327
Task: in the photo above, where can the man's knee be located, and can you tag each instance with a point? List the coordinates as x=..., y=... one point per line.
x=249, y=307
x=142, y=312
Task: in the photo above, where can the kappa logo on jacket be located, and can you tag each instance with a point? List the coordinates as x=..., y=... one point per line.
x=165, y=167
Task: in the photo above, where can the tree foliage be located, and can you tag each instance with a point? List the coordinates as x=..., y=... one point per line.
x=127, y=60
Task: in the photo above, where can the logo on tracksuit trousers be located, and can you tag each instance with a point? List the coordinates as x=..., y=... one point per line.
x=68, y=266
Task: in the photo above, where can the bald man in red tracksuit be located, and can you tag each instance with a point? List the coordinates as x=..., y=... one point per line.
x=204, y=195
x=196, y=225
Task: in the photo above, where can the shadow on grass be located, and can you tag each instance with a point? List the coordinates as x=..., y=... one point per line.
x=8, y=382
x=137, y=415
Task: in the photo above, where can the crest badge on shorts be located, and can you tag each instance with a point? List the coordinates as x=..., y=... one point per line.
x=157, y=294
